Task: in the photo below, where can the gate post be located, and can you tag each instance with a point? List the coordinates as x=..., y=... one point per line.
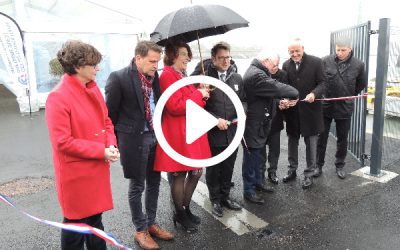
x=380, y=96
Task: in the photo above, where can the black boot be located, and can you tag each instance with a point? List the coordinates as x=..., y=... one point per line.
x=195, y=219
x=182, y=218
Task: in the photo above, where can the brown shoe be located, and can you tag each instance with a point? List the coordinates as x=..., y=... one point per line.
x=145, y=241
x=162, y=234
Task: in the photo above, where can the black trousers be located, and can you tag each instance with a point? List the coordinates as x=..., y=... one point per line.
x=342, y=132
x=274, y=150
x=218, y=177
x=75, y=241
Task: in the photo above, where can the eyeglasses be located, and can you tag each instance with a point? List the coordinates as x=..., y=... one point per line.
x=224, y=58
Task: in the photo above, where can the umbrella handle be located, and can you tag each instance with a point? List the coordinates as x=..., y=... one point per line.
x=201, y=57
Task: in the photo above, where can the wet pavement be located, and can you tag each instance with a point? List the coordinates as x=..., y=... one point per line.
x=354, y=213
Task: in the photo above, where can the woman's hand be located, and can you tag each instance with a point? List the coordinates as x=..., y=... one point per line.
x=205, y=92
x=111, y=153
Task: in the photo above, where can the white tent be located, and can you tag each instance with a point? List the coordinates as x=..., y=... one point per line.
x=46, y=25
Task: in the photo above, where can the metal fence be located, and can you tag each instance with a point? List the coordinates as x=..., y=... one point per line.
x=360, y=38
x=385, y=142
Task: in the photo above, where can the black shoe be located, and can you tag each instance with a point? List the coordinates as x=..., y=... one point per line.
x=273, y=178
x=181, y=218
x=195, y=219
x=232, y=184
x=217, y=209
x=307, y=182
x=230, y=204
x=290, y=177
x=264, y=188
x=253, y=198
x=317, y=171
x=340, y=172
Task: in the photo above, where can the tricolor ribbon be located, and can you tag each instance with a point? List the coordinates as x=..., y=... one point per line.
x=234, y=121
x=341, y=98
x=74, y=227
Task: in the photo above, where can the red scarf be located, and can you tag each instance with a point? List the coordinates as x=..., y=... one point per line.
x=147, y=88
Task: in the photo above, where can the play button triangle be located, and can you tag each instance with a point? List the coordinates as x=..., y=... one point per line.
x=198, y=121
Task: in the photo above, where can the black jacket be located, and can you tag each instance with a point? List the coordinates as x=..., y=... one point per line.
x=261, y=89
x=220, y=105
x=305, y=118
x=124, y=99
x=347, y=80
x=277, y=120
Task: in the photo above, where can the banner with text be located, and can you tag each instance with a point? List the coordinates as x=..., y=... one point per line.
x=11, y=50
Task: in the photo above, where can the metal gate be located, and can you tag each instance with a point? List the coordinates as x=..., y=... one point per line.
x=360, y=38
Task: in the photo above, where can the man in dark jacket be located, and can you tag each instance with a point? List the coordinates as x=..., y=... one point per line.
x=131, y=96
x=344, y=76
x=274, y=137
x=306, y=75
x=218, y=177
x=261, y=89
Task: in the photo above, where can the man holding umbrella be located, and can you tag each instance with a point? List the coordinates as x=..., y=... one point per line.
x=218, y=177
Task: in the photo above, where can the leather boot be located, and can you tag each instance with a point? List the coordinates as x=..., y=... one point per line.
x=156, y=231
x=145, y=241
x=195, y=219
x=181, y=218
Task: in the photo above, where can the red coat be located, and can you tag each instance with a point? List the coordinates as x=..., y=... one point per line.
x=80, y=130
x=174, y=125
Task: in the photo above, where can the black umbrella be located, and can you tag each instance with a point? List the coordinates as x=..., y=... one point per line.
x=196, y=21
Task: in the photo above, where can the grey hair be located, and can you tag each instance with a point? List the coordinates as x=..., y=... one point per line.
x=296, y=41
x=267, y=54
x=343, y=41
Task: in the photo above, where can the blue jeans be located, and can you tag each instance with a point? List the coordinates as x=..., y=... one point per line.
x=148, y=181
x=251, y=169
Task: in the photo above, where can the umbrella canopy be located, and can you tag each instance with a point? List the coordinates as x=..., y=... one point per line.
x=196, y=21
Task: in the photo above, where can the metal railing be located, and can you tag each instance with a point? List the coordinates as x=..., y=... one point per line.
x=360, y=38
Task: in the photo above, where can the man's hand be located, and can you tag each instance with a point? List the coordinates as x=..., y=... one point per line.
x=310, y=98
x=293, y=102
x=222, y=124
x=283, y=104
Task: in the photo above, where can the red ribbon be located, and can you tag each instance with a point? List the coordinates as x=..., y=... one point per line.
x=342, y=98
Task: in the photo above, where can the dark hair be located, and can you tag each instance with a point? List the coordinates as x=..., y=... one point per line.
x=75, y=53
x=143, y=47
x=218, y=46
x=171, y=51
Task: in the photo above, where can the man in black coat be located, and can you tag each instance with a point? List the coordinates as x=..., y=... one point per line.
x=131, y=96
x=306, y=75
x=261, y=90
x=344, y=76
x=274, y=137
x=218, y=177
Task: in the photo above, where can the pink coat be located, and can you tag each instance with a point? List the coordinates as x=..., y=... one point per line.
x=174, y=125
x=80, y=130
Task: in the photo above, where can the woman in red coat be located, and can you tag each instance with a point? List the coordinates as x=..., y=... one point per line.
x=83, y=142
x=183, y=178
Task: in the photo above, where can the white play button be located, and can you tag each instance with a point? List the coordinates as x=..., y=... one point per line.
x=198, y=121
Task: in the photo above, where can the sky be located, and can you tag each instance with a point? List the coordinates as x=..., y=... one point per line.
x=273, y=23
